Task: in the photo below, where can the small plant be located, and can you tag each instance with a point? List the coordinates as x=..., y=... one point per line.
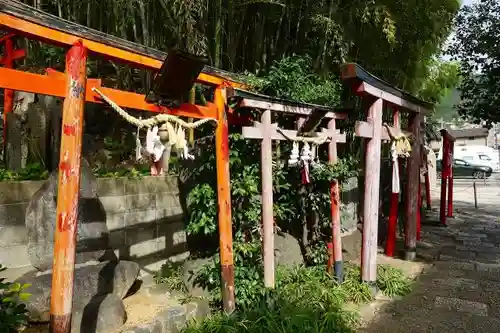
x=170, y=274
x=358, y=291
x=132, y=173
x=248, y=275
x=13, y=313
x=32, y=171
x=392, y=282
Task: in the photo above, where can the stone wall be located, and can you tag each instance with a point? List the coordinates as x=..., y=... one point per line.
x=144, y=217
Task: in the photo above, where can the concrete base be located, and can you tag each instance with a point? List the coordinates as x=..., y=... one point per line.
x=410, y=255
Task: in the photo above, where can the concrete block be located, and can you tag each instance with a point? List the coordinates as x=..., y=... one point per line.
x=110, y=186
x=165, y=200
x=13, y=214
x=144, y=201
x=145, y=248
x=13, y=235
x=139, y=217
x=14, y=256
x=138, y=235
x=14, y=192
x=115, y=221
x=114, y=204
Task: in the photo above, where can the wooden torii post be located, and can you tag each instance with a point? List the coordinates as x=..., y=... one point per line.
x=267, y=131
x=446, y=177
x=390, y=245
x=377, y=93
x=20, y=19
x=10, y=54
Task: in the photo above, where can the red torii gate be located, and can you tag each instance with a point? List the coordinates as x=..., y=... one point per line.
x=379, y=94
x=19, y=19
x=446, y=177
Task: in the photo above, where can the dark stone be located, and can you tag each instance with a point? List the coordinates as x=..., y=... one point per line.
x=351, y=245
x=92, y=239
x=90, y=281
x=287, y=250
x=102, y=314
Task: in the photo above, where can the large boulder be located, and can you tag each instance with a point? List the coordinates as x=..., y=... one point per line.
x=103, y=314
x=91, y=281
x=287, y=250
x=93, y=234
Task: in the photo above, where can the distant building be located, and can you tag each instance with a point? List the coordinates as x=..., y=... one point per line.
x=465, y=137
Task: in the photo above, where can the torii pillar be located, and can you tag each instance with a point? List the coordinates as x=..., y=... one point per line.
x=267, y=132
x=10, y=55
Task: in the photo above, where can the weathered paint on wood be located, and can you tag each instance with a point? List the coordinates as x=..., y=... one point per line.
x=335, y=210
x=8, y=97
x=255, y=132
x=68, y=191
x=280, y=107
x=450, y=182
x=364, y=129
x=224, y=202
x=413, y=185
x=392, y=227
x=371, y=196
x=267, y=199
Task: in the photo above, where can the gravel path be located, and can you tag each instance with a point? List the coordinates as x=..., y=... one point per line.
x=460, y=292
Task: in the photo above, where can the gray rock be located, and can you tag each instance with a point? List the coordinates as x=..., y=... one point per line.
x=174, y=318
x=287, y=250
x=110, y=277
x=101, y=315
x=93, y=234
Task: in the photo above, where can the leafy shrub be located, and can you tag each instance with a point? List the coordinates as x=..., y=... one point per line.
x=294, y=78
x=13, y=313
x=248, y=275
x=32, y=171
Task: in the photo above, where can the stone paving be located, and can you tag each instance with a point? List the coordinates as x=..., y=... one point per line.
x=460, y=290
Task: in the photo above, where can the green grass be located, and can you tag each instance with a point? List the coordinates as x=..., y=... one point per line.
x=305, y=300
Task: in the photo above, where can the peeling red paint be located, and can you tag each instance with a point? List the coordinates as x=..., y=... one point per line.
x=66, y=168
x=65, y=221
x=74, y=57
x=69, y=130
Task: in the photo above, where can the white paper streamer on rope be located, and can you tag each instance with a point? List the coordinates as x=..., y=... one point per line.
x=154, y=146
x=395, y=169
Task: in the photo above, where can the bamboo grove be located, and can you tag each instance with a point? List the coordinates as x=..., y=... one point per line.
x=394, y=39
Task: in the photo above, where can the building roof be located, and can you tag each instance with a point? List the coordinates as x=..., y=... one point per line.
x=480, y=132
